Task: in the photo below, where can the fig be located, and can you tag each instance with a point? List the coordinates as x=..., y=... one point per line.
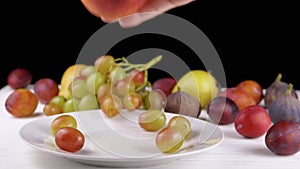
x=181, y=102
x=285, y=107
x=277, y=89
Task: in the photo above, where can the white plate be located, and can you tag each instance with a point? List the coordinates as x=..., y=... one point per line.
x=119, y=141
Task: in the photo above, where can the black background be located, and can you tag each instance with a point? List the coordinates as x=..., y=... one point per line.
x=254, y=39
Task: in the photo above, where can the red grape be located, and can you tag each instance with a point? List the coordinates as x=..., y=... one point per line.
x=111, y=105
x=69, y=139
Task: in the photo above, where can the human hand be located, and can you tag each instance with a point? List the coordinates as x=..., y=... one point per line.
x=130, y=13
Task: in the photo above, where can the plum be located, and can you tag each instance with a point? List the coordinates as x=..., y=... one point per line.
x=275, y=90
x=283, y=138
x=183, y=103
x=253, y=121
x=222, y=110
x=21, y=103
x=19, y=78
x=241, y=98
x=46, y=89
x=253, y=88
x=166, y=84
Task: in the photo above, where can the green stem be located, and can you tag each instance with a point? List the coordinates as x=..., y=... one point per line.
x=278, y=78
x=289, y=89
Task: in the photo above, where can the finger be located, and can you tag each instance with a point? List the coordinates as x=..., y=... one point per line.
x=136, y=19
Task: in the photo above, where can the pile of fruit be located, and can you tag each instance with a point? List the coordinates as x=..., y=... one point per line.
x=115, y=84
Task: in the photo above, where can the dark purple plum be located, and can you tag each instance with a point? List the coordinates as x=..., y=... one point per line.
x=19, y=78
x=283, y=138
x=46, y=89
x=222, y=110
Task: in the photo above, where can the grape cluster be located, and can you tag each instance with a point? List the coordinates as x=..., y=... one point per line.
x=111, y=84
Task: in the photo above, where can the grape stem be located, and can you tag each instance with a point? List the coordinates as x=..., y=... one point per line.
x=128, y=66
x=141, y=67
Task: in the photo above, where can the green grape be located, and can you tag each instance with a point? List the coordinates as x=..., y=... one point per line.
x=78, y=88
x=155, y=100
x=52, y=109
x=182, y=123
x=71, y=105
x=104, y=63
x=152, y=120
x=94, y=81
x=116, y=74
x=62, y=121
x=88, y=70
x=169, y=139
x=88, y=102
x=60, y=100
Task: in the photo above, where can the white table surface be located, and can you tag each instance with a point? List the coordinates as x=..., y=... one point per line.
x=235, y=152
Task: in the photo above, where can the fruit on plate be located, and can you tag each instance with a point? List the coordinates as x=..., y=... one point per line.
x=277, y=89
x=154, y=100
x=253, y=121
x=183, y=124
x=166, y=84
x=45, y=89
x=19, y=78
x=253, y=88
x=152, y=120
x=183, y=103
x=69, y=139
x=285, y=107
x=112, y=9
x=200, y=84
x=21, y=103
x=222, y=110
x=64, y=120
x=241, y=98
x=68, y=76
x=283, y=137
x=169, y=139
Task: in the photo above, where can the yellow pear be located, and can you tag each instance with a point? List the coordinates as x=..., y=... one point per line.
x=68, y=76
x=200, y=84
